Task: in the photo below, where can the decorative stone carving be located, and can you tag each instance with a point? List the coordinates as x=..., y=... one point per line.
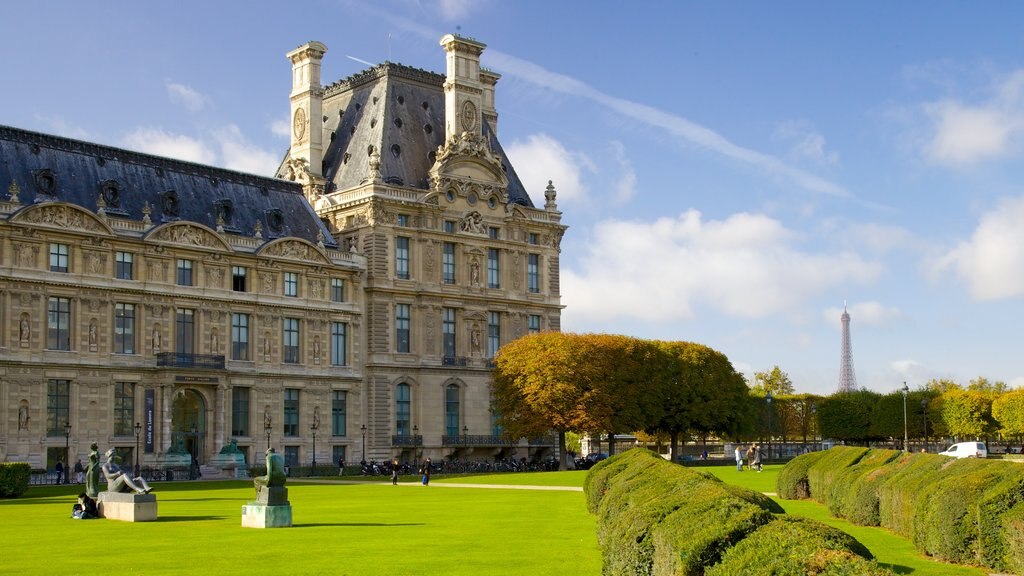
x=188, y=235
x=63, y=217
x=93, y=335
x=316, y=289
x=96, y=262
x=26, y=255
x=215, y=277
x=267, y=281
x=294, y=250
x=157, y=270
x=473, y=223
x=24, y=331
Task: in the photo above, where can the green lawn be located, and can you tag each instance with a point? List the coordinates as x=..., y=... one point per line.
x=371, y=529
x=891, y=550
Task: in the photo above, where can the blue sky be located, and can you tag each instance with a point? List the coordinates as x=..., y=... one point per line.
x=731, y=172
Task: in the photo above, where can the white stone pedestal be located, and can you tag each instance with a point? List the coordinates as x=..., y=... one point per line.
x=256, y=515
x=127, y=506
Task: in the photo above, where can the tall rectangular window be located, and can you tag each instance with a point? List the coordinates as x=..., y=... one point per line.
x=239, y=336
x=238, y=277
x=291, y=284
x=184, y=331
x=58, y=401
x=534, y=238
x=124, y=408
x=124, y=328
x=58, y=323
x=492, y=233
x=403, y=404
x=402, y=257
x=534, y=323
x=533, y=273
x=493, y=333
x=184, y=272
x=123, y=262
x=451, y=410
x=291, y=340
x=291, y=456
x=58, y=257
x=291, y=412
x=338, y=344
x=240, y=411
x=337, y=290
x=493, y=268
x=401, y=327
x=338, y=413
x=448, y=262
x=449, y=226
x=448, y=331
x=403, y=220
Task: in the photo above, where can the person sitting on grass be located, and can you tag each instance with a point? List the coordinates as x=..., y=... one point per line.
x=85, y=508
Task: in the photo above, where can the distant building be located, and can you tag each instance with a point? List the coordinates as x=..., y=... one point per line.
x=847, y=376
x=359, y=296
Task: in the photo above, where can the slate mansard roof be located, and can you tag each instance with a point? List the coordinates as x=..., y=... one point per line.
x=398, y=111
x=51, y=168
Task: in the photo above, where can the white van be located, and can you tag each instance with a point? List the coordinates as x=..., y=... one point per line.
x=966, y=450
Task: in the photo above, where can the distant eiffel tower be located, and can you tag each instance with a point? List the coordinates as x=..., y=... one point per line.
x=847, y=378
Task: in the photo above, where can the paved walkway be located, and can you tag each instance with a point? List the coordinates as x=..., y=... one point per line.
x=441, y=484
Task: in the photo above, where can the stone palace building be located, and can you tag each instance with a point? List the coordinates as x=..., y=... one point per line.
x=348, y=307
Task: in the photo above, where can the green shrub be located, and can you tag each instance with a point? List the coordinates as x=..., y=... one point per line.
x=834, y=461
x=14, y=477
x=791, y=483
x=797, y=546
x=945, y=528
x=596, y=481
x=900, y=492
x=1013, y=531
x=852, y=493
x=995, y=537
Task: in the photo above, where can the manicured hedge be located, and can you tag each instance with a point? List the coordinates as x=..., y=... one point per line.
x=654, y=517
x=791, y=483
x=792, y=545
x=1013, y=529
x=14, y=477
x=962, y=511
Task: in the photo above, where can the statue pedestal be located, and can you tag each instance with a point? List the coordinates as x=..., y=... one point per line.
x=256, y=515
x=127, y=506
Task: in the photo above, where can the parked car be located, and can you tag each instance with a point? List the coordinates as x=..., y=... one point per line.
x=966, y=450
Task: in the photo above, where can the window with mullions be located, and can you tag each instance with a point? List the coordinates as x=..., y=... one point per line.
x=291, y=412
x=58, y=323
x=534, y=323
x=448, y=262
x=533, y=273
x=493, y=268
x=401, y=328
x=337, y=290
x=239, y=411
x=402, y=410
x=184, y=331
x=493, y=333
x=338, y=344
x=124, y=328
x=451, y=410
x=448, y=331
x=239, y=336
x=58, y=257
x=58, y=401
x=402, y=257
x=124, y=408
x=291, y=284
x=291, y=340
x=339, y=426
x=123, y=262
x=403, y=220
x=184, y=272
x=238, y=277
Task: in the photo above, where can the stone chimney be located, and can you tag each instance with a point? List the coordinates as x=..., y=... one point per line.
x=488, y=78
x=307, y=106
x=463, y=89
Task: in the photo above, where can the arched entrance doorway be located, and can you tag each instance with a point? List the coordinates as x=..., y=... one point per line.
x=188, y=423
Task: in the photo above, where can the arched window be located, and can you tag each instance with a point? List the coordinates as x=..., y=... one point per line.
x=451, y=410
x=402, y=403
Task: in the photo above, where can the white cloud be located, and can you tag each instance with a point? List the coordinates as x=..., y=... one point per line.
x=541, y=158
x=192, y=100
x=157, y=141
x=992, y=261
x=625, y=187
x=746, y=266
x=237, y=153
x=965, y=133
x=863, y=313
x=281, y=128
x=452, y=10
x=805, y=143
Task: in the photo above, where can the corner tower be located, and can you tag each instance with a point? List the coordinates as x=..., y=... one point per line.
x=463, y=89
x=305, y=162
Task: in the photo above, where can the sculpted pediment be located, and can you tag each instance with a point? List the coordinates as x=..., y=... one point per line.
x=188, y=234
x=64, y=216
x=294, y=249
x=468, y=157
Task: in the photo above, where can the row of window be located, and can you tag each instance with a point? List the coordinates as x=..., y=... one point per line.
x=59, y=333
x=452, y=411
x=449, y=330
x=124, y=270
x=448, y=265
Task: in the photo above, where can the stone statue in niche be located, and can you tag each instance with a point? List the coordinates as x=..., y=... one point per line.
x=475, y=339
x=23, y=416
x=316, y=350
x=214, y=342
x=474, y=273
x=92, y=336
x=24, y=332
x=156, y=340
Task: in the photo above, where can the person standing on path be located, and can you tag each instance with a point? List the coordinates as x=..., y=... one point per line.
x=394, y=472
x=739, y=459
x=425, y=471
x=59, y=469
x=750, y=456
x=756, y=462
x=79, y=471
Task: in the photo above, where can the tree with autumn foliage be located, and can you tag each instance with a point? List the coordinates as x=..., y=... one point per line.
x=1008, y=410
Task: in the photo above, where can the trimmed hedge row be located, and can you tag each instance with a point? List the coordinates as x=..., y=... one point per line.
x=14, y=477
x=654, y=517
x=964, y=511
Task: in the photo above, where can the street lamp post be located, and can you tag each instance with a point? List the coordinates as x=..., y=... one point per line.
x=906, y=431
x=138, y=455
x=313, y=430
x=415, y=442
x=67, y=451
x=768, y=399
x=363, y=455
x=814, y=418
x=924, y=421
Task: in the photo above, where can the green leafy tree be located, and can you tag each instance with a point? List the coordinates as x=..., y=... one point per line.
x=942, y=385
x=982, y=384
x=967, y=413
x=847, y=416
x=1008, y=411
x=775, y=381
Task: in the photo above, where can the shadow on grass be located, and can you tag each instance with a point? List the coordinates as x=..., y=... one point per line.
x=189, y=518
x=357, y=524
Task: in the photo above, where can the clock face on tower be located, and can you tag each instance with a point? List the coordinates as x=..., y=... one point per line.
x=468, y=115
x=299, y=123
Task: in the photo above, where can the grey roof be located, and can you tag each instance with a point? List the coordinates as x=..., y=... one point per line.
x=399, y=112
x=51, y=168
